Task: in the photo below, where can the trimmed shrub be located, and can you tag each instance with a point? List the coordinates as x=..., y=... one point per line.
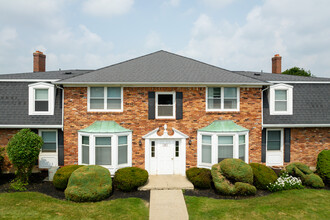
x=23, y=150
x=130, y=178
x=227, y=171
x=306, y=175
x=323, y=166
x=62, y=175
x=89, y=184
x=200, y=177
x=262, y=175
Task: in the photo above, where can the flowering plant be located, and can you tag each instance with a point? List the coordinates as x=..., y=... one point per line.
x=285, y=182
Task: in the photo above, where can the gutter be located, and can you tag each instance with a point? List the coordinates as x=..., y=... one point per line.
x=296, y=125
x=31, y=126
x=158, y=83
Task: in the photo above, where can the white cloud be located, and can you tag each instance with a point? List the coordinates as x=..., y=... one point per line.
x=217, y=3
x=153, y=41
x=107, y=8
x=275, y=27
x=173, y=3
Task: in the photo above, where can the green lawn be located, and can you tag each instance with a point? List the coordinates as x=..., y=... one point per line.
x=291, y=204
x=32, y=205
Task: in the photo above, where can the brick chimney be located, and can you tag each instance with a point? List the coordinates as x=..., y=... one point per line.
x=39, y=61
x=277, y=64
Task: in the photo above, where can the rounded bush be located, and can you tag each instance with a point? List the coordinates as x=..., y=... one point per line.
x=62, y=175
x=323, y=166
x=130, y=178
x=233, y=177
x=200, y=177
x=89, y=184
x=306, y=175
x=262, y=175
x=236, y=170
x=314, y=181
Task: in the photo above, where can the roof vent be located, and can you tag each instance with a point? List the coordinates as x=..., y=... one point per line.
x=257, y=74
x=68, y=73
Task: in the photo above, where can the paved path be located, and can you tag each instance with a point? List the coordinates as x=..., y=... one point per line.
x=167, y=205
x=167, y=182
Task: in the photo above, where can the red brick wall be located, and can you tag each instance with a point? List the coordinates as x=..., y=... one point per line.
x=307, y=143
x=5, y=135
x=135, y=117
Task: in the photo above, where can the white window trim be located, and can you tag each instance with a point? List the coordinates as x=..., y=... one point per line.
x=215, y=144
x=105, y=100
x=49, y=153
x=222, y=100
x=51, y=98
x=174, y=105
x=289, y=94
x=114, y=149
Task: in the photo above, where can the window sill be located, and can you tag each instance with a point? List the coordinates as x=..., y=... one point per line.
x=280, y=113
x=41, y=113
x=103, y=111
x=222, y=110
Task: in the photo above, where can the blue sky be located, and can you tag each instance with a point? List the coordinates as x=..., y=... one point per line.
x=232, y=34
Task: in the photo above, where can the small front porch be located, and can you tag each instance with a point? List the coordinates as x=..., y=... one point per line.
x=167, y=182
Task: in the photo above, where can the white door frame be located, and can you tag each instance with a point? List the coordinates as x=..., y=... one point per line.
x=275, y=152
x=177, y=136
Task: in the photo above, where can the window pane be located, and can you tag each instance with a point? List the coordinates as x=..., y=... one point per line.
x=85, y=140
x=114, y=92
x=49, y=136
x=230, y=103
x=274, y=145
x=40, y=106
x=206, y=154
x=105, y=141
x=103, y=155
x=241, y=152
x=41, y=94
x=225, y=140
x=225, y=152
x=165, y=110
x=241, y=139
x=214, y=92
x=85, y=154
x=97, y=92
x=280, y=105
x=122, y=140
x=49, y=147
x=165, y=99
x=96, y=104
x=214, y=104
x=114, y=103
x=206, y=139
x=122, y=154
x=280, y=95
x=230, y=93
x=274, y=135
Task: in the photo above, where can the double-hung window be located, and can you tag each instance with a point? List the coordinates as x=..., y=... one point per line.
x=222, y=99
x=206, y=149
x=122, y=150
x=41, y=99
x=281, y=99
x=85, y=149
x=165, y=105
x=103, y=150
x=225, y=147
x=105, y=99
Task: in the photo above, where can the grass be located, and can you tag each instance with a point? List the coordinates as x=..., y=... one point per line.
x=33, y=205
x=291, y=204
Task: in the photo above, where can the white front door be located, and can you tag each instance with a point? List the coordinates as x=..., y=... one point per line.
x=165, y=157
x=274, y=145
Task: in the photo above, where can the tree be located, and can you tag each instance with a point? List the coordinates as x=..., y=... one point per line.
x=23, y=150
x=297, y=71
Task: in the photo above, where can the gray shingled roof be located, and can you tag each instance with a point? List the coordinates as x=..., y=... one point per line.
x=14, y=106
x=161, y=67
x=52, y=75
x=266, y=77
x=311, y=105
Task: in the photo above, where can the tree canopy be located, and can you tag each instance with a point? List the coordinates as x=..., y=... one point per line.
x=297, y=71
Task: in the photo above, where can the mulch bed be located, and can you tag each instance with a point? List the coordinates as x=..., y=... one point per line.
x=38, y=185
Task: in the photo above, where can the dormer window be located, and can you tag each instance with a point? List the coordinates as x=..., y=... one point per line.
x=281, y=102
x=41, y=99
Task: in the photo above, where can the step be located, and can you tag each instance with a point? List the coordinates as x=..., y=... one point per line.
x=167, y=182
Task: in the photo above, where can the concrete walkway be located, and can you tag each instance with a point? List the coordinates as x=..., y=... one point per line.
x=167, y=204
x=167, y=182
